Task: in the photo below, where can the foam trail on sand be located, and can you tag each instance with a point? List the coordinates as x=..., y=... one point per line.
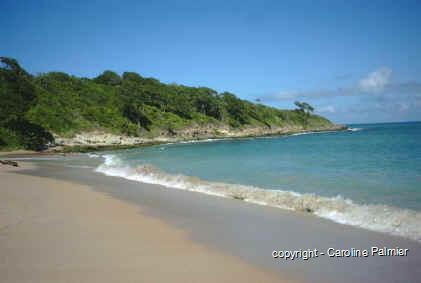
x=381, y=218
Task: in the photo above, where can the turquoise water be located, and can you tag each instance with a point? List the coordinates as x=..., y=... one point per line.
x=379, y=163
x=369, y=177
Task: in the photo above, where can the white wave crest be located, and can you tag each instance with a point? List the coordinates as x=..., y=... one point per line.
x=311, y=133
x=93, y=155
x=197, y=141
x=354, y=129
x=381, y=218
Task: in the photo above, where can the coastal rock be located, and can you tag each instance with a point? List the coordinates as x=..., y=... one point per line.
x=195, y=132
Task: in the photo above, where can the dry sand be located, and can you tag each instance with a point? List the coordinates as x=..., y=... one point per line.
x=56, y=231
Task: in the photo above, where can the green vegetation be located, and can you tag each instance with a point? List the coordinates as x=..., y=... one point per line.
x=18, y=94
x=33, y=108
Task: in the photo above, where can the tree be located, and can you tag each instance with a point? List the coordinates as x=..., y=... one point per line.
x=207, y=102
x=16, y=90
x=17, y=94
x=236, y=109
x=108, y=78
x=135, y=114
x=304, y=108
x=31, y=136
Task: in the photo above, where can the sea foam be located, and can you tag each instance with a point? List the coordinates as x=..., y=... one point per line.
x=354, y=129
x=381, y=218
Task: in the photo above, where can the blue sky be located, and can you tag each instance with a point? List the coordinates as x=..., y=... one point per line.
x=355, y=61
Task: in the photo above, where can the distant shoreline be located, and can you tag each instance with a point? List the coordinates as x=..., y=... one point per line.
x=104, y=141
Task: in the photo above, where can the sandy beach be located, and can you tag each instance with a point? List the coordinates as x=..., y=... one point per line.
x=58, y=231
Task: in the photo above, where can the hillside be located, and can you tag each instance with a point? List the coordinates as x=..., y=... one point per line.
x=57, y=108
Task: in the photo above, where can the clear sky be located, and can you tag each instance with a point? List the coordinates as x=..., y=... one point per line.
x=355, y=61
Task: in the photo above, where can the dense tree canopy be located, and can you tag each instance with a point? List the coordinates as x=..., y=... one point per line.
x=32, y=108
x=17, y=95
x=108, y=78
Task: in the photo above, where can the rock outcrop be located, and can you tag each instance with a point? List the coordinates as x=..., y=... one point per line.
x=100, y=138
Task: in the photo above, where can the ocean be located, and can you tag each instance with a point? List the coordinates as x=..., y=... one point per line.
x=369, y=176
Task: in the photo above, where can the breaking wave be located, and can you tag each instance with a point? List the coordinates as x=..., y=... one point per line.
x=381, y=218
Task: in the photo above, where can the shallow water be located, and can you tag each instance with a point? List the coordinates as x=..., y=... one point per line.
x=378, y=163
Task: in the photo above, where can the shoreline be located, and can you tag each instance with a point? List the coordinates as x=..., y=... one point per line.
x=372, y=217
x=86, y=236
x=94, y=147
x=387, y=219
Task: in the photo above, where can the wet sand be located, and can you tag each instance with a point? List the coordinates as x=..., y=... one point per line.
x=59, y=231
